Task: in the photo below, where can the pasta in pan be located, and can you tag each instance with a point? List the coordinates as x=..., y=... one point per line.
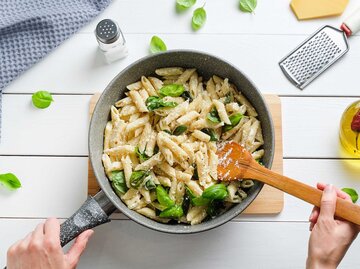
x=160, y=145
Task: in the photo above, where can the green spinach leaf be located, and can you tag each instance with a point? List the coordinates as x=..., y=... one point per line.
x=42, y=99
x=10, y=181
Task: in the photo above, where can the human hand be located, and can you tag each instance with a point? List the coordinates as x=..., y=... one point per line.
x=41, y=249
x=330, y=237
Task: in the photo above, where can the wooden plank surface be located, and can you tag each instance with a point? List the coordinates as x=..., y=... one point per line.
x=269, y=200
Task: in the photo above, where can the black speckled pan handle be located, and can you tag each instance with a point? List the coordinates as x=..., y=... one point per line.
x=94, y=212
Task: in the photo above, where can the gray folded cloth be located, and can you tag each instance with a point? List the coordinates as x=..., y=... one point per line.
x=30, y=29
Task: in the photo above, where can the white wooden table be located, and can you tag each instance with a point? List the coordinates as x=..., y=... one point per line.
x=47, y=149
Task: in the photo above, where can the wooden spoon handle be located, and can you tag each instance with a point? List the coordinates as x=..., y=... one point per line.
x=344, y=209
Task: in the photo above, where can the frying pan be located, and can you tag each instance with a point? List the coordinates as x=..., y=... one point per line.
x=96, y=210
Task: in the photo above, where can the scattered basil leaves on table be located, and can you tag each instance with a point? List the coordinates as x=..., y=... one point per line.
x=198, y=18
x=185, y=4
x=353, y=194
x=248, y=5
x=180, y=130
x=10, y=181
x=173, y=90
x=155, y=102
x=157, y=45
x=234, y=119
x=42, y=99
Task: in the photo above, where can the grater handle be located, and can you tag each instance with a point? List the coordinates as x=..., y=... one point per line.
x=353, y=22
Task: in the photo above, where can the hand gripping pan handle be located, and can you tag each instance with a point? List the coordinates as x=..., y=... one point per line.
x=353, y=22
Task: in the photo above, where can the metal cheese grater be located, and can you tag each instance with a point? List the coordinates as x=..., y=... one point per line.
x=319, y=52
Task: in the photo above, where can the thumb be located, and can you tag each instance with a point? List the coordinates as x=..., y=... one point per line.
x=73, y=256
x=328, y=202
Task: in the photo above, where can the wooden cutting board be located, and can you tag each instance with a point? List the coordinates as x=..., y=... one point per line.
x=269, y=200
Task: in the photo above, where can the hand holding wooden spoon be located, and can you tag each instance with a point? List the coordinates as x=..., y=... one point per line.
x=237, y=163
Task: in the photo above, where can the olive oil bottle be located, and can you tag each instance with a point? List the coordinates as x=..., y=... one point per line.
x=350, y=129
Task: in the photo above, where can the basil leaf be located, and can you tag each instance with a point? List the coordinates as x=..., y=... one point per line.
x=199, y=201
x=179, y=130
x=215, y=192
x=42, y=99
x=137, y=177
x=187, y=96
x=155, y=102
x=198, y=18
x=141, y=155
x=150, y=185
x=189, y=192
x=211, y=133
x=229, y=98
x=157, y=45
x=248, y=5
x=353, y=194
x=167, y=131
x=215, y=208
x=185, y=3
x=118, y=182
x=186, y=203
x=174, y=212
x=10, y=181
x=213, y=116
x=163, y=197
x=174, y=90
x=234, y=119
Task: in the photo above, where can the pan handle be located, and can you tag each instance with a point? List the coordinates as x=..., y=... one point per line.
x=352, y=23
x=94, y=212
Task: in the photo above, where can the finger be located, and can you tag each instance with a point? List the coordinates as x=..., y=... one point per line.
x=52, y=233
x=78, y=247
x=314, y=214
x=38, y=233
x=339, y=193
x=311, y=226
x=328, y=202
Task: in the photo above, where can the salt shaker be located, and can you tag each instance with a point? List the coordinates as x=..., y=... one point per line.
x=111, y=40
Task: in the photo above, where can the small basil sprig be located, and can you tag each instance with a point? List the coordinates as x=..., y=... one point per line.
x=150, y=185
x=141, y=155
x=137, y=178
x=42, y=99
x=157, y=45
x=185, y=4
x=213, y=116
x=118, y=182
x=10, y=181
x=353, y=194
x=174, y=212
x=173, y=90
x=215, y=192
x=247, y=5
x=198, y=18
x=163, y=197
x=211, y=133
x=196, y=200
x=234, y=119
x=155, y=102
x=180, y=130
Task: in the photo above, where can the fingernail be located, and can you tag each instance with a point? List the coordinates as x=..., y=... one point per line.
x=311, y=216
x=329, y=188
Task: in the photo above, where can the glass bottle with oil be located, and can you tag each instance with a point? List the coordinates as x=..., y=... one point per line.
x=350, y=129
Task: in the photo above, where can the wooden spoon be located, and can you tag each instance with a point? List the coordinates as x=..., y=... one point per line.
x=237, y=163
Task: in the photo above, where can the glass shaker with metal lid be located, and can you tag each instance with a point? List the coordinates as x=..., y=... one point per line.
x=111, y=40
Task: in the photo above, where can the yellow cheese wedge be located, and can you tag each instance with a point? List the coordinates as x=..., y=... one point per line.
x=311, y=9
